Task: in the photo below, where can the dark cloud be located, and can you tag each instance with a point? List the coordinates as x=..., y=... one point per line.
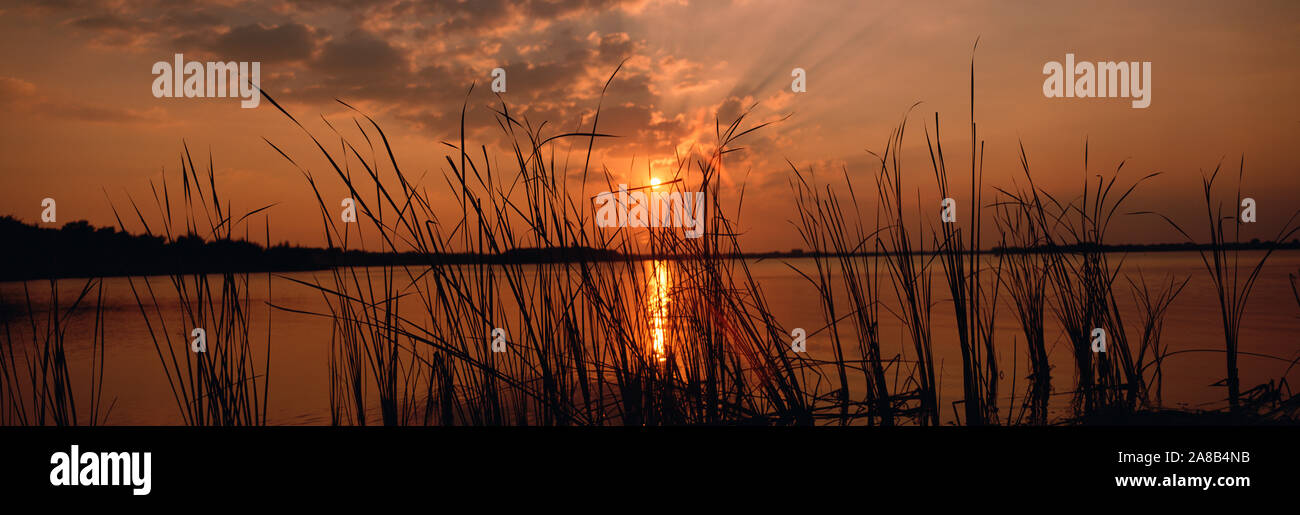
x=168, y=21
x=276, y=44
x=139, y=26
x=51, y=6
x=444, y=18
x=561, y=8
x=415, y=60
x=103, y=22
x=321, y=5
x=361, y=54
x=615, y=47
x=187, y=19
x=474, y=16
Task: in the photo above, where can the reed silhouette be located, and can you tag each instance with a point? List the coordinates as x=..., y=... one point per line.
x=514, y=308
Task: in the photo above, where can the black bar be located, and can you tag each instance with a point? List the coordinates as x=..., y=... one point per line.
x=812, y=464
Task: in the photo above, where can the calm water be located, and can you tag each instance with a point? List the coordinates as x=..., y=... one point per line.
x=300, y=343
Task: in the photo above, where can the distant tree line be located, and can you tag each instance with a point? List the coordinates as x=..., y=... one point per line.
x=79, y=249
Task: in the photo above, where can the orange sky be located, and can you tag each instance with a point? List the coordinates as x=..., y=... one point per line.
x=79, y=117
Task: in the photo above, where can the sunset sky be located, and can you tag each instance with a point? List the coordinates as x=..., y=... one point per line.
x=79, y=117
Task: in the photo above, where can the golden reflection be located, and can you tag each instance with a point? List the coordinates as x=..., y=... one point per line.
x=657, y=301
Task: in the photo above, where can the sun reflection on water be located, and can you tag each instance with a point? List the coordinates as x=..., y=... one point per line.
x=657, y=300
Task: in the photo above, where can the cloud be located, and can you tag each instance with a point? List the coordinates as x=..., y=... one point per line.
x=109, y=22
x=136, y=27
x=450, y=18
x=360, y=53
x=18, y=96
x=84, y=112
x=14, y=91
x=285, y=43
x=50, y=6
x=414, y=61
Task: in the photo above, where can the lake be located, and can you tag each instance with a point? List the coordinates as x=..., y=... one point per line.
x=299, y=375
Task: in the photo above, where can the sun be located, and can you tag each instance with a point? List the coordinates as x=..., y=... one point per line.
x=654, y=182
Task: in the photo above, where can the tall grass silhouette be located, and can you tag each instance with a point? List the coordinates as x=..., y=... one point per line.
x=579, y=347
x=40, y=361
x=225, y=384
x=624, y=326
x=585, y=338
x=1233, y=279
